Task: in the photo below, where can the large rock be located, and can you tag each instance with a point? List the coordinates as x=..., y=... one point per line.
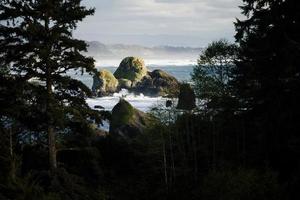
x=125, y=83
x=131, y=68
x=158, y=83
x=105, y=83
x=186, y=97
x=133, y=75
x=127, y=121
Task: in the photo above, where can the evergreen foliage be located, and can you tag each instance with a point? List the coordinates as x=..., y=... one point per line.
x=267, y=79
x=214, y=70
x=36, y=43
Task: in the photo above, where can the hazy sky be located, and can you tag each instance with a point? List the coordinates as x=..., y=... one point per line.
x=159, y=22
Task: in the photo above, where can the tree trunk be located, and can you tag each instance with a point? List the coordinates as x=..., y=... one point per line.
x=172, y=176
x=52, y=148
x=194, y=142
x=50, y=127
x=13, y=161
x=11, y=151
x=165, y=162
x=213, y=145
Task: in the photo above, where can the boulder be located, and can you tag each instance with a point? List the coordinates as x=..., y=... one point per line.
x=131, y=68
x=186, y=97
x=125, y=83
x=104, y=83
x=127, y=121
x=133, y=75
x=158, y=83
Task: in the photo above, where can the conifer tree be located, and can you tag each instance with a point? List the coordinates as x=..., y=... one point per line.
x=270, y=49
x=36, y=42
x=267, y=79
x=214, y=71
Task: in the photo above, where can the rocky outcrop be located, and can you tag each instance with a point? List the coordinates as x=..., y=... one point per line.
x=132, y=74
x=125, y=83
x=127, y=121
x=186, y=97
x=132, y=69
x=158, y=83
x=104, y=83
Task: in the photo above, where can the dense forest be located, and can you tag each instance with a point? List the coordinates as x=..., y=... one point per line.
x=241, y=142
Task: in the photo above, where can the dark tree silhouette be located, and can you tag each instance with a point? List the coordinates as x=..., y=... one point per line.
x=267, y=80
x=36, y=42
x=186, y=97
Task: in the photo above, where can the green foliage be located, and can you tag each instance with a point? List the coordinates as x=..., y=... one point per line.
x=4, y=155
x=214, y=70
x=22, y=189
x=164, y=115
x=269, y=54
x=241, y=184
x=36, y=42
x=267, y=77
x=267, y=81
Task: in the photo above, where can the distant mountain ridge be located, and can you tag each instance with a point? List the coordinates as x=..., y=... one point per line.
x=99, y=50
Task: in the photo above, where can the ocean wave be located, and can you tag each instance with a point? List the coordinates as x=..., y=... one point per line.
x=141, y=102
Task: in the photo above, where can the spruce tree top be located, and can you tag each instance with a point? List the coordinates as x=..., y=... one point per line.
x=36, y=41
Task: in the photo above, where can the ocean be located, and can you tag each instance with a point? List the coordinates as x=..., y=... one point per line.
x=181, y=70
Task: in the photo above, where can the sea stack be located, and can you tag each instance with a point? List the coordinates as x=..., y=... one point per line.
x=132, y=74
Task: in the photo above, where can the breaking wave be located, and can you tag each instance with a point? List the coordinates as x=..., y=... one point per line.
x=141, y=102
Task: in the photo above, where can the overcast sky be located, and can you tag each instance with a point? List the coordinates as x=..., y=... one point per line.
x=159, y=22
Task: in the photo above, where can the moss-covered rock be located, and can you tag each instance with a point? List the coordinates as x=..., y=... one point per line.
x=131, y=68
x=125, y=83
x=186, y=97
x=105, y=83
x=128, y=121
x=133, y=75
x=158, y=83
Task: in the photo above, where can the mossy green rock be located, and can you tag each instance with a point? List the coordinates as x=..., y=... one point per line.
x=128, y=121
x=131, y=68
x=125, y=83
x=104, y=83
x=158, y=83
x=133, y=75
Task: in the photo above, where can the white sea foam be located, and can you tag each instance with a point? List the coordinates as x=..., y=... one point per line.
x=141, y=102
x=162, y=63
